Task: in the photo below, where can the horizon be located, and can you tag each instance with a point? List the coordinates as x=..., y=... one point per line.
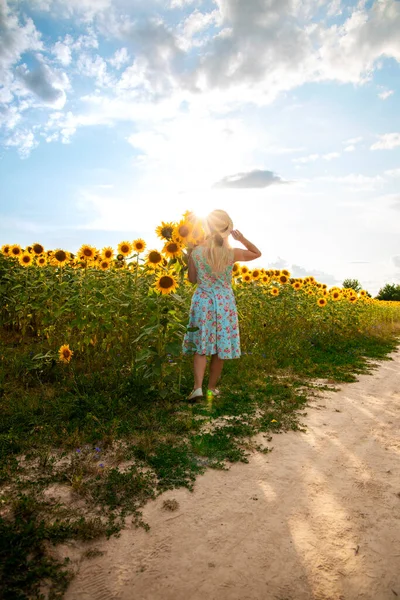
x=117, y=115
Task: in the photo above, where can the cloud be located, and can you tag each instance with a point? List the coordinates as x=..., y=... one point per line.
x=46, y=84
x=24, y=141
x=396, y=261
x=353, y=141
x=393, y=172
x=387, y=141
x=15, y=39
x=331, y=155
x=96, y=67
x=350, y=148
x=251, y=179
x=306, y=159
x=63, y=53
x=120, y=57
x=386, y=95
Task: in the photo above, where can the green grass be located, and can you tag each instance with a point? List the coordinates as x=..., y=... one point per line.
x=110, y=445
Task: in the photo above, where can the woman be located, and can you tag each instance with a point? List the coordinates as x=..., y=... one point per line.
x=213, y=309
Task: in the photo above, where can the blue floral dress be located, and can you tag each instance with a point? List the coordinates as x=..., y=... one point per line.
x=213, y=310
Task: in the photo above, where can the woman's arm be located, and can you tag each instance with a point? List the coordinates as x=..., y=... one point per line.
x=251, y=253
x=192, y=273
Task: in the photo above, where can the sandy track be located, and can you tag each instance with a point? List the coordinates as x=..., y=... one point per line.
x=316, y=519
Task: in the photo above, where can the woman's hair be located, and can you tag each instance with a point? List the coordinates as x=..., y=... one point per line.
x=217, y=226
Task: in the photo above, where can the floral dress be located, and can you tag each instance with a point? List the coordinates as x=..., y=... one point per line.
x=213, y=310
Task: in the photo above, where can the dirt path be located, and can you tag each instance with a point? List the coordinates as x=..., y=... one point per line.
x=316, y=519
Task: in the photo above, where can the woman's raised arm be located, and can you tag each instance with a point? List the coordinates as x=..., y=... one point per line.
x=251, y=252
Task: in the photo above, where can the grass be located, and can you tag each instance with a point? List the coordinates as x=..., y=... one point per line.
x=105, y=446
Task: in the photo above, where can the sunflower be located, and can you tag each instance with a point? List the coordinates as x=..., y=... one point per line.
x=60, y=257
x=107, y=253
x=244, y=270
x=182, y=232
x=25, y=259
x=41, y=261
x=353, y=299
x=363, y=293
x=125, y=248
x=153, y=258
x=172, y=249
x=283, y=279
x=296, y=285
x=235, y=269
x=166, y=284
x=164, y=231
x=255, y=274
x=197, y=234
x=285, y=272
x=37, y=249
x=265, y=279
x=86, y=252
x=139, y=245
x=274, y=291
x=104, y=264
x=247, y=277
x=15, y=250
x=322, y=302
x=5, y=250
x=65, y=353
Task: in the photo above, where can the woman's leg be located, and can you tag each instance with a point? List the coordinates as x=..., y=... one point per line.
x=199, y=367
x=215, y=371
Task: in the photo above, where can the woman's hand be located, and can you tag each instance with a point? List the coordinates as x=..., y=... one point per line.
x=235, y=233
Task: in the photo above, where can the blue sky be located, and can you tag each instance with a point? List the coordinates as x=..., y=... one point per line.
x=117, y=114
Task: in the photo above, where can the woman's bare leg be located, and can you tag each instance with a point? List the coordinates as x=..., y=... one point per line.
x=199, y=368
x=215, y=371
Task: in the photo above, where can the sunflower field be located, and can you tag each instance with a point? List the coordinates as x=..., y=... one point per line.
x=124, y=311
x=93, y=384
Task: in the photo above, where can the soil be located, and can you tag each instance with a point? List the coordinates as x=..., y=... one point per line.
x=318, y=518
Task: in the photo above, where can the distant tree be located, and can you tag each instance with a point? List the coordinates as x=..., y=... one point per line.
x=354, y=284
x=390, y=291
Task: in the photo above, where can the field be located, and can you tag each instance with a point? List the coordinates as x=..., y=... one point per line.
x=93, y=385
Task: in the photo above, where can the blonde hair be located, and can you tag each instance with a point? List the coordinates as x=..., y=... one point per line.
x=217, y=226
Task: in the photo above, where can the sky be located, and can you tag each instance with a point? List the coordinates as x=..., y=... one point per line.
x=118, y=114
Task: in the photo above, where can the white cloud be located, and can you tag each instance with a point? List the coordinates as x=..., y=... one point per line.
x=385, y=95
x=63, y=53
x=353, y=141
x=387, y=141
x=331, y=155
x=306, y=159
x=350, y=148
x=15, y=38
x=24, y=141
x=393, y=172
x=120, y=57
x=95, y=67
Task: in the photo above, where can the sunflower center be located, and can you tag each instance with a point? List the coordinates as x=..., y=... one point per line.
x=15, y=251
x=166, y=232
x=184, y=231
x=155, y=257
x=172, y=247
x=26, y=259
x=108, y=254
x=60, y=255
x=139, y=246
x=87, y=252
x=66, y=353
x=38, y=248
x=124, y=248
x=166, y=282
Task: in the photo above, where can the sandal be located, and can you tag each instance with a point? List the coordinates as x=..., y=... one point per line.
x=198, y=393
x=214, y=392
